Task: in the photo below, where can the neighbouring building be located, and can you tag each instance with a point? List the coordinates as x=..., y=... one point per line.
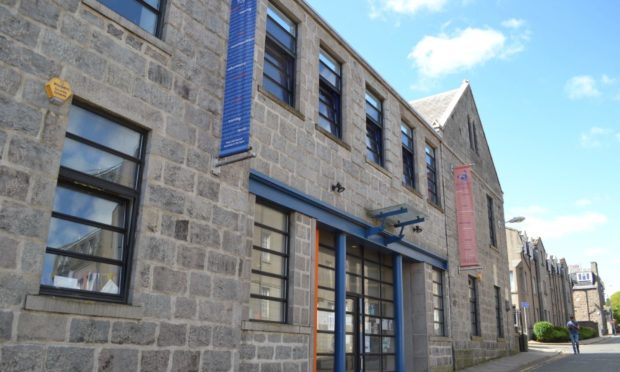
x=130, y=241
x=540, y=284
x=589, y=296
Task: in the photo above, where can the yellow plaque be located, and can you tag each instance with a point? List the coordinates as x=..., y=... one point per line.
x=58, y=90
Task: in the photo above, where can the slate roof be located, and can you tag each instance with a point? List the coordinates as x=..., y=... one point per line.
x=437, y=108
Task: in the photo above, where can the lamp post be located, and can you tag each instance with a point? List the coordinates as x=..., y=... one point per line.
x=516, y=219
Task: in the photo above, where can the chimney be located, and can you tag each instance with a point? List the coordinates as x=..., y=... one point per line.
x=594, y=268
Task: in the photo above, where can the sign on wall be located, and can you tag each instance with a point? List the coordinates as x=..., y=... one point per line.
x=465, y=217
x=238, y=85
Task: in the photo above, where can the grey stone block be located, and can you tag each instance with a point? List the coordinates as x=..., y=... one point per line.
x=76, y=29
x=26, y=60
x=115, y=31
x=283, y=352
x=46, y=12
x=6, y=325
x=41, y=326
x=200, y=209
x=157, y=249
x=15, y=287
x=118, y=360
x=166, y=198
x=22, y=358
x=179, y=177
x=9, y=80
x=222, y=264
x=18, y=219
x=8, y=252
x=19, y=117
x=58, y=48
x=43, y=190
x=271, y=367
x=185, y=361
x=225, y=289
x=223, y=337
x=54, y=130
x=200, y=285
x=69, y=359
x=134, y=42
x=155, y=360
x=160, y=75
x=169, y=281
x=208, y=188
x=225, y=218
x=119, y=77
x=216, y=361
x=247, y=352
x=181, y=229
x=205, y=235
x=155, y=305
x=33, y=155
x=199, y=160
x=89, y=331
x=265, y=352
x=137, y=333
x=199, y=336
x=216, y=312
x=13, y=183
x=191, y=257
x=185, y=308
x=114, y=51
x=172, y=334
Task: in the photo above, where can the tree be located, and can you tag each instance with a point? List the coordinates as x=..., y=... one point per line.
x=614, y=302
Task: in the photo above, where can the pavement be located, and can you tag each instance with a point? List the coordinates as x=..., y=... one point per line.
x=538, y=354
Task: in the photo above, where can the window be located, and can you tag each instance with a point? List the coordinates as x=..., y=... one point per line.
x=90, y=238
x=473, y=138
x=491, y=214
x=374, y=128
x=406, y=135
x=280, y=54
x=268, y=290
x=330, y=88
x=145, y=13
x=473, y=307
x=431, y=175
x=498, y=312
x=438, y=314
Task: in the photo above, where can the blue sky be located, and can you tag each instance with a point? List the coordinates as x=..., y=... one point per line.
x=546, y=78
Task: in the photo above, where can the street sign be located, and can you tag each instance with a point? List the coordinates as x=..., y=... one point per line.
x=525, y=305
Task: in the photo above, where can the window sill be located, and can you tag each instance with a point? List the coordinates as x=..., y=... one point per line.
x=258, y=326
x=275, y=99
x=476, y=338
x=440, y=339
x=412, y=190
x=436, y=206
x=82, y=307
x=332, y=137
x=378, y=167
x=128, y=25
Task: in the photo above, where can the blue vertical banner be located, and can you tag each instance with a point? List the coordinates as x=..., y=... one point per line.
x=236, y=115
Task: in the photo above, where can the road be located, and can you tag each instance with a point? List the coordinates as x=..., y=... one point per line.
x=600, y=357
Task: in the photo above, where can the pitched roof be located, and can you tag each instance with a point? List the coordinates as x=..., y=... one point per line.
x=436, y=109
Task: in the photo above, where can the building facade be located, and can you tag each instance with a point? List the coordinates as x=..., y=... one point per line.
x=589, y=296
x=540, y=284
x=128, y=245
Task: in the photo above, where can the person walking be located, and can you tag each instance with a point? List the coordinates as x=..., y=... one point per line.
x=573, y=332
x=612, y=323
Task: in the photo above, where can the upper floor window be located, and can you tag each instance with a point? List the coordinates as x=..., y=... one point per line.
x=406, y=135
x=473, y=306
x=438, y=310
x=473, y=137
x=145, y=13
x=330, y=91
x=431, y=174
x=491, y=215
x=374, y=128
x=268, y=290
x=498, y=312
x=90, y=238
x=280, y=55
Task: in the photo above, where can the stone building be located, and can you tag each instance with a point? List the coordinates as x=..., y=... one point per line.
x=589, y=296
x=126, y=244
x=540, y=284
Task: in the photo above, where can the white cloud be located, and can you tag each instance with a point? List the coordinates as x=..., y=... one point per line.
x=606, y=80
x=513, y=23
x=379, y=7
x=593, y=138
x=583, y=202
x=582, y=86
x=562, y=226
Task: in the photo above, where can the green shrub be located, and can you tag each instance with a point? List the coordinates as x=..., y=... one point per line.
x=543, y=331
x=560, y=334
x=586, y=333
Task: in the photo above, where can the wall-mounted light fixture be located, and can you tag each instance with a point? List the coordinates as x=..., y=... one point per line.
x=416, y=229
x=338, y=188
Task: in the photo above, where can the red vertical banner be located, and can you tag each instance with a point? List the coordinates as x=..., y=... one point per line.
x=465, y=217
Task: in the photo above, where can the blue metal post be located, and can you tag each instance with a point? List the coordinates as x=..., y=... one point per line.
x=399, y=323
x=341, y=296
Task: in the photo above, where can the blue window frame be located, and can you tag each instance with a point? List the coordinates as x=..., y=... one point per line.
x=280, y=55
x=147, y=14
x=374, y=128
x=330, y=94
x=408, y=155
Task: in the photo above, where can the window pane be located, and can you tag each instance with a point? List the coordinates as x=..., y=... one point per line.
x=348, y=345
x=387, y=292
x=327, y=278
x=354, y=265
x=354, y=284
x=372, y=362
x=261, y=309
x=79, y=204
x=387, y=275
x=73, y=273
x=278, y=17
x=329, y=62
x=372, y=306
x=387, y=309
x=387, y=326
x=372, y=270
x=84, y=239
x=326, y=320
x=373, y=101
x=326, y=299
x=101, y=164
x=269, y=239
x=324, y=363
x=388, y=344
x=327, y=238
x=372, y=325
x=372, y=288
x=348, y=323
x=326, y=257
x=98, y=129
x=325, y=343
x=389, y=363
x=270, y=217
x=267, y=286
x=268, y=262
x=373, y=344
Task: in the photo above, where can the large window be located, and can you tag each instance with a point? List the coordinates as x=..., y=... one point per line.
x=438, y=312
x=498, y=312
x=145, y=13
x=406, y=134
x=330, y=88
x=90, y=236
x=473, y=306
x=280, y=54
x=268, y=291
x=431, y=174
x=491, y=215
x=374, y=128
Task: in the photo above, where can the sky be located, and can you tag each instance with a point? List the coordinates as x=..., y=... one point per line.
x=546, y=79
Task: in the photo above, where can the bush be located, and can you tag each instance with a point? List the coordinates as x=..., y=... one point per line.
x=543, y=331
x=586, y=333
x=560, y=334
